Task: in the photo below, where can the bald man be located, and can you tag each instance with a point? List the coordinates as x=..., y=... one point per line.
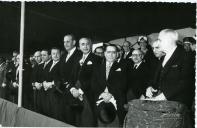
x=175, y=75
x=156, y=50
x=81, y=83
x=138, y=76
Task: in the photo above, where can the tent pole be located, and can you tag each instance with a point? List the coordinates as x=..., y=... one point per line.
x=21, y=53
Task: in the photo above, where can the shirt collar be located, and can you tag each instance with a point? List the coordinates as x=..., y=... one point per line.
x=71, y=51
x=55, y=62
x=85, y=56
x=2, y=64
x=109, y=63
x=47, y=61
x=138, y=64
x=171, y=51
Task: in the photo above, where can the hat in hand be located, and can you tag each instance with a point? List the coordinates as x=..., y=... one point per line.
x=106, y=112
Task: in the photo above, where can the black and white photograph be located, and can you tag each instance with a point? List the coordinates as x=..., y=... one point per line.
x=97, y=64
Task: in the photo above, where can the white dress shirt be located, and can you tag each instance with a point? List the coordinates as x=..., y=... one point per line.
x=167, y=56
x=137, y=65
x=54, y=63
x=70, y=53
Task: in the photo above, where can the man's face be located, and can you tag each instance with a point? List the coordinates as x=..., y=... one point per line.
x=69, y=43
x=45, y=56
x=187, y=46
x=37, y=57
x=55, y=54
x=126, y=46
x=99, y=52
x=14, y=54
x=193, y=47
x=156, y=49
x=163, y=42
x=110, y=54
x=18, y=59
x=85, y=45
x=143, y=44
x=137, y=56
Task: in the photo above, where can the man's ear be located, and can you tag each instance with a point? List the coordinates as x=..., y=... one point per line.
x=74, y=42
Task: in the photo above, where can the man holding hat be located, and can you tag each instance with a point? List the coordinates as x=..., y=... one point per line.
x=109, y=86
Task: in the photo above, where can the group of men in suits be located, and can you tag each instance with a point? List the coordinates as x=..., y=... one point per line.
x=71, y=86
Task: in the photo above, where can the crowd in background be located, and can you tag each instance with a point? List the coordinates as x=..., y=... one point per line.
x=73, y=85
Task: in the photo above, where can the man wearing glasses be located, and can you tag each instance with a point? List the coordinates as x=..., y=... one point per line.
x=138, y=76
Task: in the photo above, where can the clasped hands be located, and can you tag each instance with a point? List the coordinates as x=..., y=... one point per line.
x=37, y=85
x=106, y=97
x=48, y=85
x=149, y=95
x=15, y=84
x=3, y=85
x=77, y=93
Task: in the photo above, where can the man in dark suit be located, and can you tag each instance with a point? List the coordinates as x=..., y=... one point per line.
x=51, y=77
x=175, y=74
x=127, y=50
x=138, y=76
x=41, y=93
x=36, y=79
x=11, y=79
x=109, y=83
x=3, y=87
x=147, y=51
x=81, y=83
x=67, y=62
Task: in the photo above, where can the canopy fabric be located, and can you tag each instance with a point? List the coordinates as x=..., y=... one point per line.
x=186, y=32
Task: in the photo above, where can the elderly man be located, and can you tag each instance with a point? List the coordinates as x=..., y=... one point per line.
x=36, y=78
x=138, y=76
x=81, y=83
x=109, y=83
x=156, y=50
x=175, y=75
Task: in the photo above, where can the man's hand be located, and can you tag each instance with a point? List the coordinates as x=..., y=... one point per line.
x=3, y=85
x=15, y=85
x=107, y=97
x=39, y=86
x=75, y=93
x=149, y=92
x=158, y=98
x=142, y=97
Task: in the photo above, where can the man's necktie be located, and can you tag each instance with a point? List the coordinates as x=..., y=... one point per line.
x=67, y=57
x=82, y=60
x=125, y=55
x=108, y=67
x=135, y=67
x=44, y=65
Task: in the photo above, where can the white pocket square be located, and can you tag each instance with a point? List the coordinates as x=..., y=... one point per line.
x=119, y=69
x=174, y=66
x=89, y=63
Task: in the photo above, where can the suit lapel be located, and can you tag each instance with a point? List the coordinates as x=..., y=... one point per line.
x=87, y=59
x=103, y=70
x=112, y=70
x=171, y=61
x=70, y=58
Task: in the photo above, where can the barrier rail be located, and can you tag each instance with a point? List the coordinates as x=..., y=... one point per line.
x=13, y=116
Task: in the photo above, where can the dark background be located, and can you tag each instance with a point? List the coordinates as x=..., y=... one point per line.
x=46, y=23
